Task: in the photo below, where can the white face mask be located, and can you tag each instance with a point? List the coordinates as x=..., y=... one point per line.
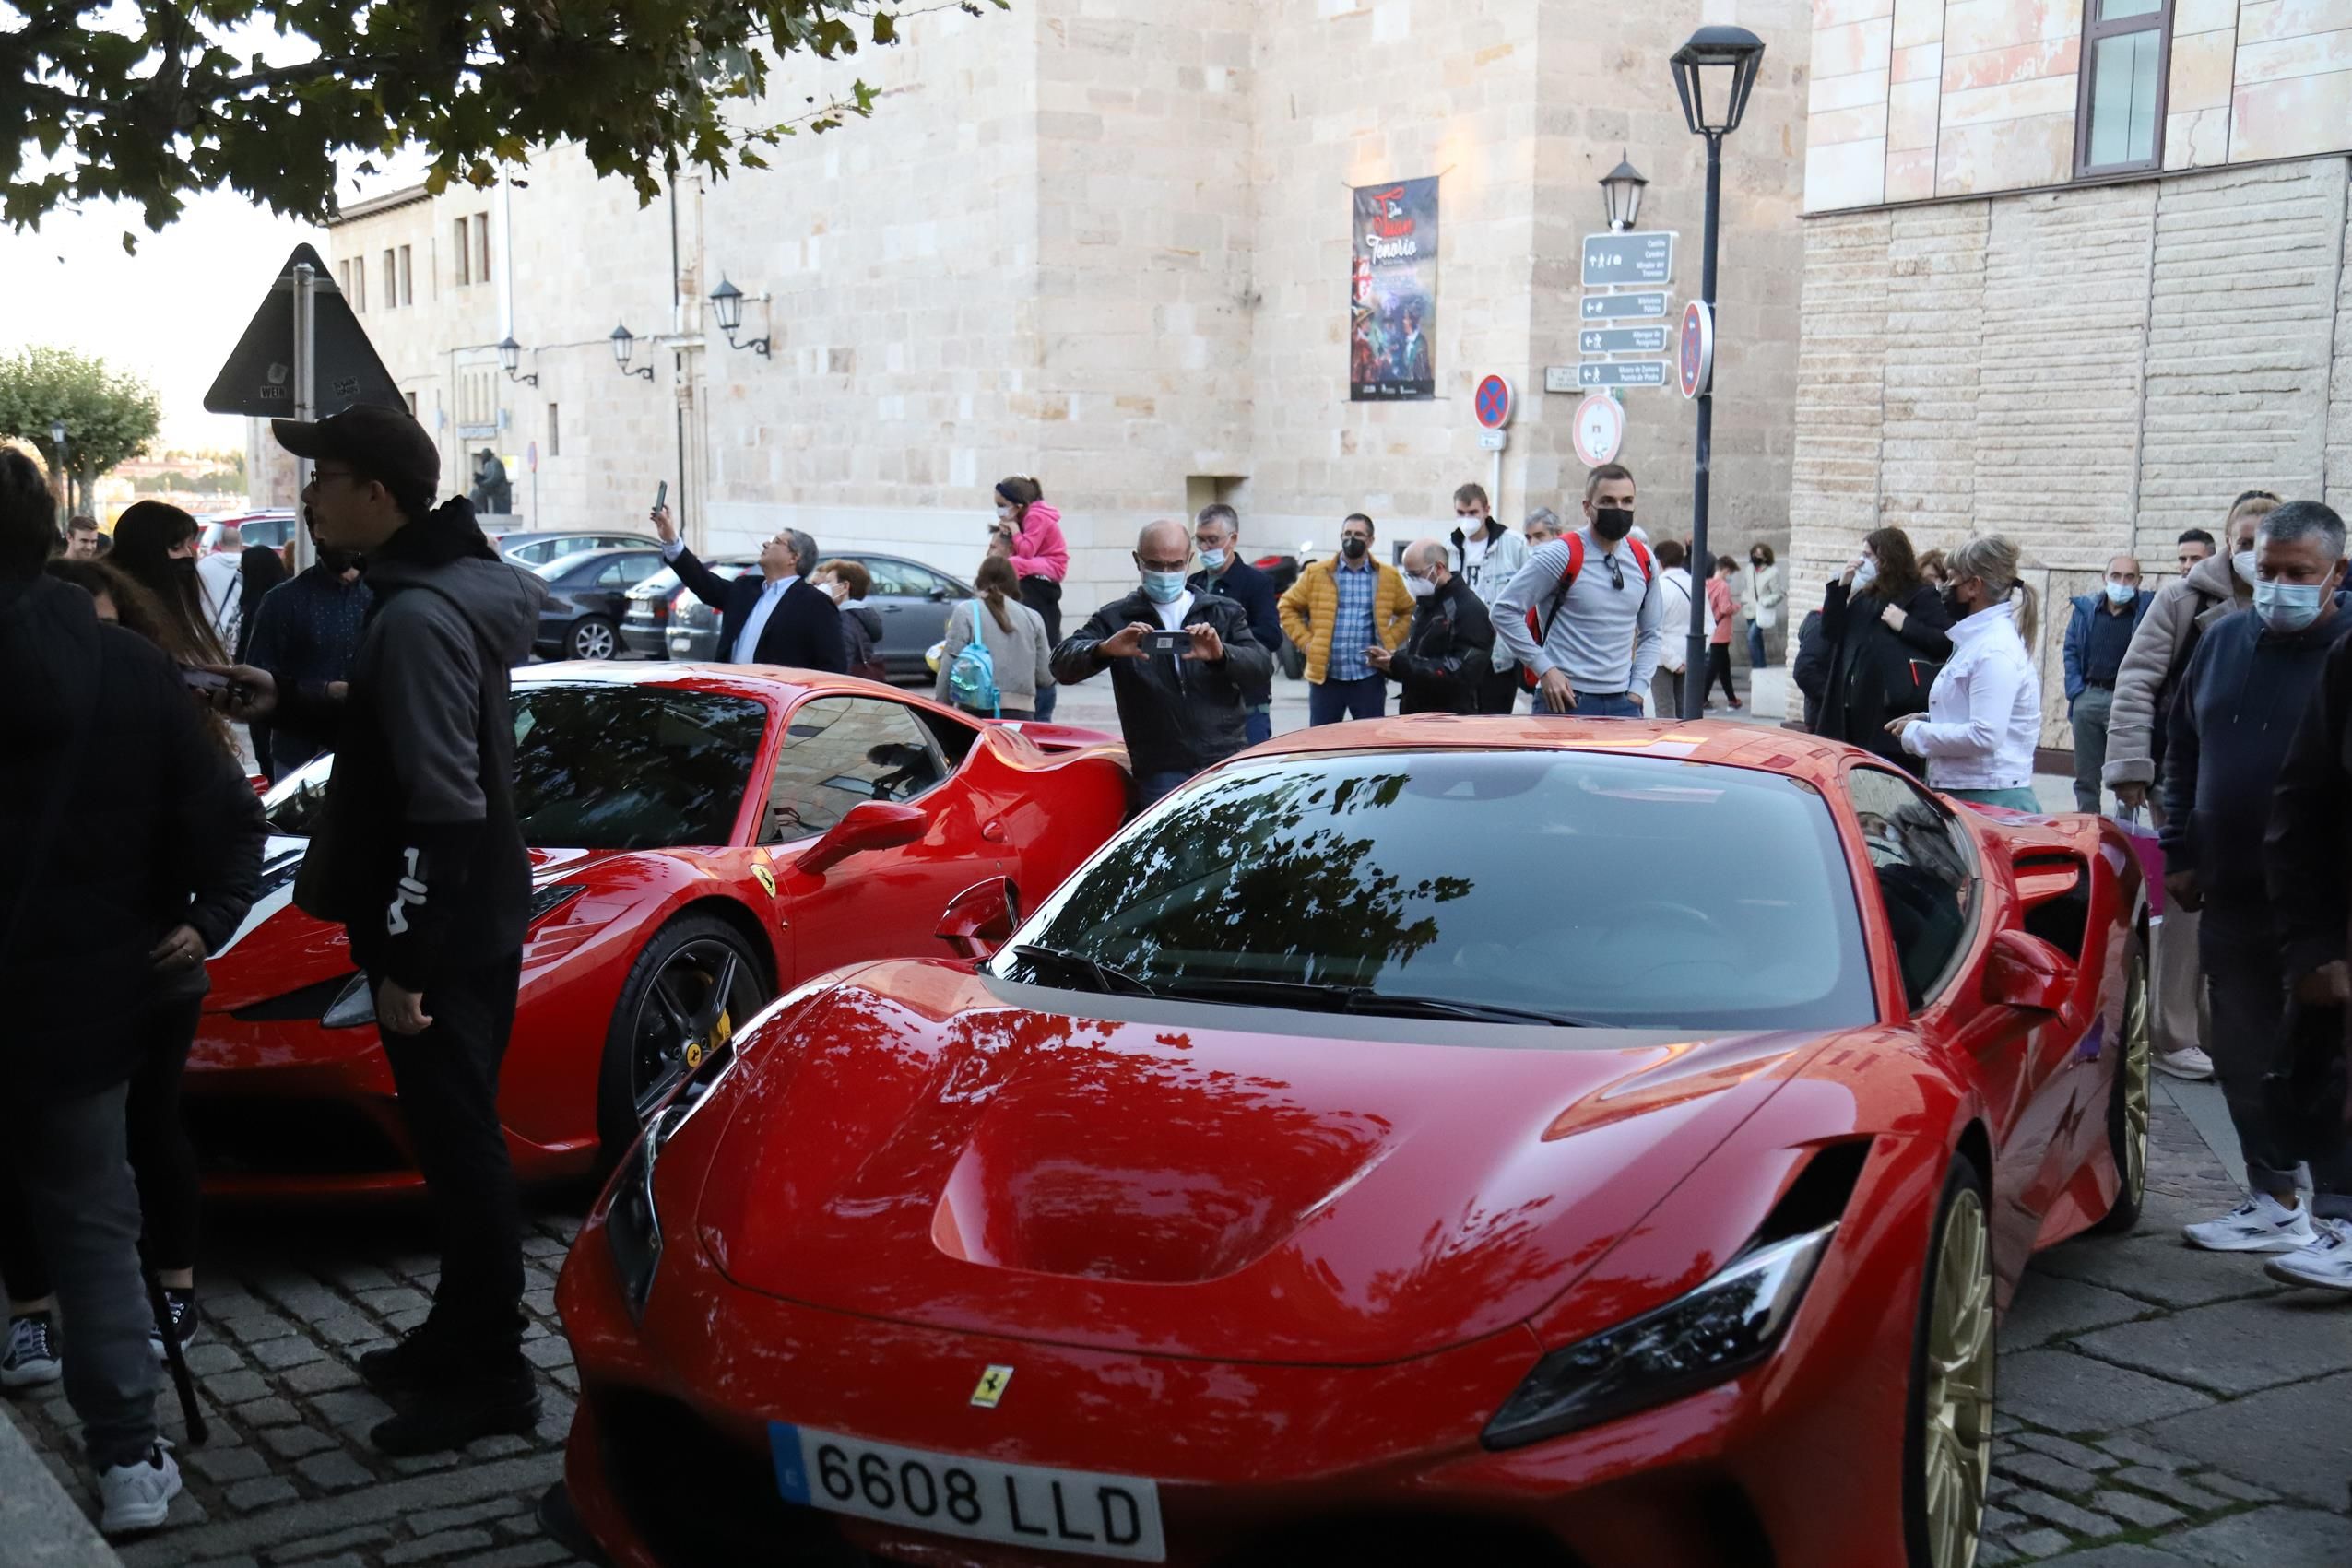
x=1419, y=587
x=1866, y=573
x=2243, y=561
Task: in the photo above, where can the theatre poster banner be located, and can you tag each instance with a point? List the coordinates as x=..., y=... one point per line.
x=1392, y=292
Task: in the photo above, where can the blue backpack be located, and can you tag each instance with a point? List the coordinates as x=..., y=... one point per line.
x=972, y=678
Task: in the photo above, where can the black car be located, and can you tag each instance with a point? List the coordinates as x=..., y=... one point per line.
x=913, y=600
x=645, y=628
x=588, y=594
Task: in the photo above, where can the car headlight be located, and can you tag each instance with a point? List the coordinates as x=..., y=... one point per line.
x=1693, y=1342
x=354, y=1007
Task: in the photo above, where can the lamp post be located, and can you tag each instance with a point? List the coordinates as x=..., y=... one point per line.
x=624, y=343
x=510, y=357
x=726, y=301
x=65, y=474
x=1621, y=190
x=1714, y=72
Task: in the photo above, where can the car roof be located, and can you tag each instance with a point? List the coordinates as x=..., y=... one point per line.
x=1716, y=741
x=527, y=535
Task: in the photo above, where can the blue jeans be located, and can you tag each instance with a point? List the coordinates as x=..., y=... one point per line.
x=1259, y=724
x=1150, y=787
x=1046, y=695
x=1616, y=705
x=1329, y=701
x=1755, y=646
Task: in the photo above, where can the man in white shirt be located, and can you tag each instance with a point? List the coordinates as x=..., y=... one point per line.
x=220, y=579
x=1674, y=589
x=1486, y=556
x=776, y=617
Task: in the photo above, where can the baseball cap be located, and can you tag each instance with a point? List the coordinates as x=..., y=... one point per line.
x=385, y=444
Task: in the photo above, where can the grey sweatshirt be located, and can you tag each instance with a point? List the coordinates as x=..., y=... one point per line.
x=1608, y=636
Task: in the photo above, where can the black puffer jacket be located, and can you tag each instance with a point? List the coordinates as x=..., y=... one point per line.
x=124, y=819
x=1875, y=673
x=1177, y=716
x=1447, y=654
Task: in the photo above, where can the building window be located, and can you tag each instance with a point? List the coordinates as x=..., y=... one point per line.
x=554, y=432
x=465, y=274
x=391, y=278
x=481, y=239
x=359, y=283
x=412, y=403
x=407, y=277
x=343, y=277
x=2118, y=123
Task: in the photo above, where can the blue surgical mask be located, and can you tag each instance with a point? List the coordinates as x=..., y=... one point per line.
x=2121, y=593
x=1866, y=573
x=1163, y=587
x=2287, y=606
x=1212, y=558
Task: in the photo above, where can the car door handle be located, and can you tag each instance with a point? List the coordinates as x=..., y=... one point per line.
x=994, y=833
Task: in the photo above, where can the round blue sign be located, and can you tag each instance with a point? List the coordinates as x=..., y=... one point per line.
x=1493, y=402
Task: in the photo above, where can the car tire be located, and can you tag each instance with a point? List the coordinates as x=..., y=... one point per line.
x=629, y=1087
x=2130, y=1097
x=592, y=637
x=1947, y=1417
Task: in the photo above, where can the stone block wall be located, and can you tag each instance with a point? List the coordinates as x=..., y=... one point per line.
x=2086, y=373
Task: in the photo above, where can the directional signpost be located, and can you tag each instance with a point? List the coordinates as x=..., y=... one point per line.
x=1622, y=372
x=1622, y=340
x=1624, y=307
x=1628, y=258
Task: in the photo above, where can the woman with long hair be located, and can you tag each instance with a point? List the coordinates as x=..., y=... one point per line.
x=1885, y=630
x=125, y=601
x=1027, y=533
x=156, y=543
x=259, y=570
x=1015, y=638
x=1984, y=716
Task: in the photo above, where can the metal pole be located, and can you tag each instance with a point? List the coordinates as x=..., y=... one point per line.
x=1695, y=662
x=305, y=396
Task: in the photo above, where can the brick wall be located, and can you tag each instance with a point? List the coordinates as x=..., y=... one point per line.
x=2086, y=373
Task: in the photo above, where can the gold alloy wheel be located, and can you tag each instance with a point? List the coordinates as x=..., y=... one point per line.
x=1957, y=1452
x=2138, y=1069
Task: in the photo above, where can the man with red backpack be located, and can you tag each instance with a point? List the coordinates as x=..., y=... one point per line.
x=1582, y=617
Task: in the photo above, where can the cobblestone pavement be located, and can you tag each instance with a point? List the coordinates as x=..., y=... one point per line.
x=2160, y=1408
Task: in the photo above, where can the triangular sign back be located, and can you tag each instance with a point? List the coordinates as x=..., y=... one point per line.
x=258, y=378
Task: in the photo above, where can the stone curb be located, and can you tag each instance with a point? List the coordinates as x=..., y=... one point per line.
x=40, y=1525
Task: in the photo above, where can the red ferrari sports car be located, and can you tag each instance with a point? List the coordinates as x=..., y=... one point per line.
x=1435, y=1140
x=704, y=837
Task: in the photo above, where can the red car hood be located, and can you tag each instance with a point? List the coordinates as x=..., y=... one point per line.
x=279, y=949
x=919, y=1150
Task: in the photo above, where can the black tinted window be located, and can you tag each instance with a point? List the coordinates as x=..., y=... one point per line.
x=1630, y=891
x=1926, y=873
x=605, y=767
x=841, y=750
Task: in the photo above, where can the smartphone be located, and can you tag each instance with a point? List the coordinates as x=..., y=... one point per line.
x=204, y=681
x=1178, y=642
x=661, y=495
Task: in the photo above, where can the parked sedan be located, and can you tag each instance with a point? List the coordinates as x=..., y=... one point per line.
x=589, y=594
x=913, y=598
x=652, y=603
x=229, y=532
x=539, y=547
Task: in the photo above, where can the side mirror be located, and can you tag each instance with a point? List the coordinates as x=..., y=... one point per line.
x=873, y=824
x=941, y=594
x=2024, y=971
x=980, y=919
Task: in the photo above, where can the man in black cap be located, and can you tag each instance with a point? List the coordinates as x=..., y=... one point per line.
x=421, y=860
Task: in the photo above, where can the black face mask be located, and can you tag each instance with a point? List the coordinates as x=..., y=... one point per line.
x=1953, y=606
x=1355, y=548
x=1612, y=522
x=181, y=567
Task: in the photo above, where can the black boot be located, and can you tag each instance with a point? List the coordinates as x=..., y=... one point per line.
x=483, y=1403
x=423, y=1358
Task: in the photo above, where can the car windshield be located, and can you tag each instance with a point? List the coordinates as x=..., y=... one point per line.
x=1559, y=886
x=603, y=767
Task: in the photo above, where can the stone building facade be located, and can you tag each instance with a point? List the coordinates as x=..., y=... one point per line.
x=2009, y=328
x=1106, y=242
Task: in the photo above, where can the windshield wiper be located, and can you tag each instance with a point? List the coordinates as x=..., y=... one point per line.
x=1332, y=998
x=1109, y=981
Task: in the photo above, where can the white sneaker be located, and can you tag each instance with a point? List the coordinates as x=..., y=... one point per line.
x=2326, y=1264
x=139, y=1494
x=2187, y=1062
x=2259, y=1224
x=30, y=1355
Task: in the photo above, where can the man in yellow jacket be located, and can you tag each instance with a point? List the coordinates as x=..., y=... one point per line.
x=1336, y=611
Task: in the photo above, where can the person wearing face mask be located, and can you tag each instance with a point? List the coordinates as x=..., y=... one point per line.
x=1486, y=555
x=1885, y=629
x=1217, y=534
x=2146, y=684
x=2254, y=677
x=156, y=545
x=1583, y=618
x=1761, y=597
x=2097, y=639
x=1178, y=711
x=1336, y=610
x=305, y=631
x=1983, y=716
x=1442, y=668
x=1027, y=532
x=847, y=584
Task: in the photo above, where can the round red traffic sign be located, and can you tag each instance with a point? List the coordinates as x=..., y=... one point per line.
x=1600, y=429
x=1493, y=402
x=1696, y=362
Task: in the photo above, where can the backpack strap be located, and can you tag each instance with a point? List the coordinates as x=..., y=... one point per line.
x=1641, y=555
x=1542, y=630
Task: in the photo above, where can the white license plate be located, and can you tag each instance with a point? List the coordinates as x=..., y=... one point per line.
x=1074, y=1511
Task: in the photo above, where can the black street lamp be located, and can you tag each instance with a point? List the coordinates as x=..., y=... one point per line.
x=1621, y=188
x=726, y=301
x=624, y=343
x=65, y=474
x=1714, y=72
x=510, y=356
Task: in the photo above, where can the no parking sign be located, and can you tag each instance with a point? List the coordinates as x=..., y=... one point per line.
x=1494, y=401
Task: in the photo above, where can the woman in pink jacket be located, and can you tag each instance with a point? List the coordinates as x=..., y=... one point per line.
x=1029, y=531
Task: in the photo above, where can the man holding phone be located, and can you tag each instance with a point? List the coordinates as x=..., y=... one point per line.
x=1181, y=664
